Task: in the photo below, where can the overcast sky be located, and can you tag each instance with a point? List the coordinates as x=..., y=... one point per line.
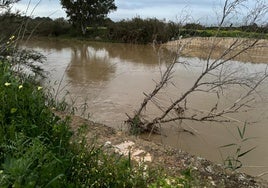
x=203, y=11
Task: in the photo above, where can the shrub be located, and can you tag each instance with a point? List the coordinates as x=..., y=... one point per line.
x=143, y=31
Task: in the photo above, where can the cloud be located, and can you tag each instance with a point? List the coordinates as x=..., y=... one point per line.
x=164, y=9
x=168, y=9
x=161, y=9
x=123, y=4
x=203, y=11
x=46, y=8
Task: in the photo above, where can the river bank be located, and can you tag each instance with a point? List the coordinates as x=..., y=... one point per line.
x=204, y=172
x=201, y=46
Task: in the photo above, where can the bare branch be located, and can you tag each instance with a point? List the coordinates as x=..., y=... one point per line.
x=216, y=77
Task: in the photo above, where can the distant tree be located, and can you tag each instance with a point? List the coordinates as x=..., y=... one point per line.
x=87, y=12
x=251, y=28
x=193, y=26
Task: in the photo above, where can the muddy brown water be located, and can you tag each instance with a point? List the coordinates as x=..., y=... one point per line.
x=108, y=81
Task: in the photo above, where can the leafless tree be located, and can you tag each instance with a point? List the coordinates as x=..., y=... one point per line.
x=215, y=77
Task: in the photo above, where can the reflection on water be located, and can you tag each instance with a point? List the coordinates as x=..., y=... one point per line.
x=89, y=65
x=112, y=79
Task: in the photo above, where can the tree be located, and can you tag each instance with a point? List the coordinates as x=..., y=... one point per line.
x=215, y=77
x=87, y=12
x=193, y=26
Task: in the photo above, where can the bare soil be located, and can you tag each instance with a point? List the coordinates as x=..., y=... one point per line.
x=205, y=172
x=200, y=47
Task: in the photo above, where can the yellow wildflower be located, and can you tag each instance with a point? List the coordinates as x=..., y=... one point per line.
x=20, y=86
x=7, y=84
x=39, y=88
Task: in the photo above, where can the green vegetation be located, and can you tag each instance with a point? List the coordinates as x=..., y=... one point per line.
x=233, y=162
x=87, y=12
x=136, y=30
x=143, y=31
x=23, y=26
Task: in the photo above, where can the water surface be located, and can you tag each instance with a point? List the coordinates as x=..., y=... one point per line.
x=108, y=80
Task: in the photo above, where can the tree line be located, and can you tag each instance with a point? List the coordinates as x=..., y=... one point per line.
x=136, y=30
x=88, y=19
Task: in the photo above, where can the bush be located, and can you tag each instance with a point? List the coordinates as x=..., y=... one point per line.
x=40, y=26
x=33, y=141
x=143, y=31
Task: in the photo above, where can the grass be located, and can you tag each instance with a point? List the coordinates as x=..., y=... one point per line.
x=233, y=162
x=38, y=149
x=230, y=33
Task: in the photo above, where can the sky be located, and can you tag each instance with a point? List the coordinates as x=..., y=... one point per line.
x=200, y=11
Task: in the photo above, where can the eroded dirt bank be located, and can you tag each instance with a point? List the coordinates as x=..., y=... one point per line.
x=205, y=173
x=200, y=47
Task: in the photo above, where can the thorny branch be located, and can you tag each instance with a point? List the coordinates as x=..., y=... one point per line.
x=215, y=78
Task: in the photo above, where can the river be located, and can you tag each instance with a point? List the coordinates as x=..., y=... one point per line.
x=104, y=81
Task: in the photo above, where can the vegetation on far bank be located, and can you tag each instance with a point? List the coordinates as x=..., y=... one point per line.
x=136, y=30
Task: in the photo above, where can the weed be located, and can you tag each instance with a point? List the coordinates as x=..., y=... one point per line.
x=234, y=162
x=183, y=181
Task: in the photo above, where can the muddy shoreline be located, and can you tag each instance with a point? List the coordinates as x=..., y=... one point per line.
x=205, y=172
